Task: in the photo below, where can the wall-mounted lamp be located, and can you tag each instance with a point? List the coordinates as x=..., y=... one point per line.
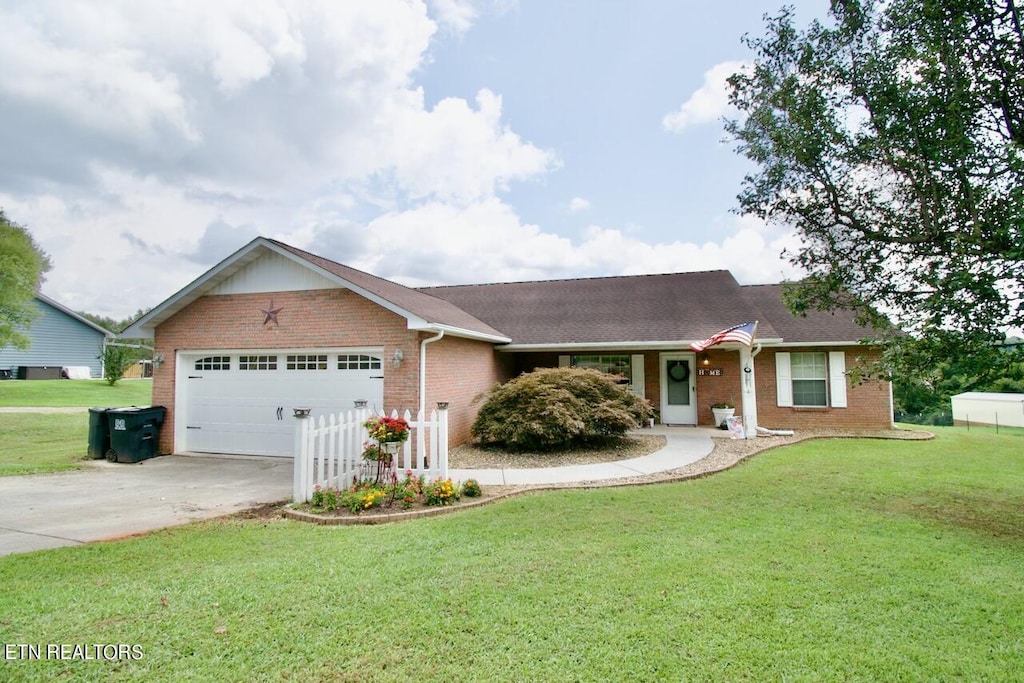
x=158, y=360
x=360, y=402
x=705, y=360
x=397, y=358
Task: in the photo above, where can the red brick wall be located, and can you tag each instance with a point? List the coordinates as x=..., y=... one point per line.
x=869, y=405
x=462, y=372
x=308, y=319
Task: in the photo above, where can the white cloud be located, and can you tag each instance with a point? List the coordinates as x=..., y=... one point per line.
x=471, y=244
x=577, y=204
x=144, y=141
x=455, y=15
x=708, y=103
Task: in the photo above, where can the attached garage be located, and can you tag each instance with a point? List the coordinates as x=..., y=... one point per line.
x=241, y=402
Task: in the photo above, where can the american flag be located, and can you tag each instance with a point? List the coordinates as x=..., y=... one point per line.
x=742, y=333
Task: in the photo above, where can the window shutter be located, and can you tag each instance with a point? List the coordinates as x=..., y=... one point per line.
x=564, y=361
x=837, y=377
x=637, y=373
x=783, y=380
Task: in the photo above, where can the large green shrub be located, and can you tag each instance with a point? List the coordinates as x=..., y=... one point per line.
x=557, y=408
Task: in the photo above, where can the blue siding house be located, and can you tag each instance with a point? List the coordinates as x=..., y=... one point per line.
x=60, y=338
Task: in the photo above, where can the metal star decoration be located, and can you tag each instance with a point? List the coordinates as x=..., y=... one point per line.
x=270, y=313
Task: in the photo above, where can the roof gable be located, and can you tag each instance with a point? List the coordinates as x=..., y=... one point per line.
x=237, y=273
x=61, y=308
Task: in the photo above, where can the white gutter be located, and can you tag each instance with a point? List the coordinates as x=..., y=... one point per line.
x=423, y=370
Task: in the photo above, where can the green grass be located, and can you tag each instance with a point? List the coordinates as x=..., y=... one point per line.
x=58, y=393
x=828, y=560
x=33, y=443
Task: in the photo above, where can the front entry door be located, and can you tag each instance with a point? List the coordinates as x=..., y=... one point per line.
x=678, y=389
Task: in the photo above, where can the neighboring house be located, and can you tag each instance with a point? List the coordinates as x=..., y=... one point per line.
x=59, y=338
x=273, y=327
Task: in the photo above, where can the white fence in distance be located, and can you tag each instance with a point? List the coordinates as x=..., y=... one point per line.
x=329, y=449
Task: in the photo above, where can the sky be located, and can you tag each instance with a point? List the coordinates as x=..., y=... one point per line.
x=436, y=142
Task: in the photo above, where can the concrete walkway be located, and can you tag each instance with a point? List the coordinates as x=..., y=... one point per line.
x=684, y=445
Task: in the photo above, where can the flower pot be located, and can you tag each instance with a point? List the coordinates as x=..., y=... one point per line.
x=722, y=414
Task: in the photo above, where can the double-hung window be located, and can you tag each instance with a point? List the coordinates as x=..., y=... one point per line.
x=811, y=379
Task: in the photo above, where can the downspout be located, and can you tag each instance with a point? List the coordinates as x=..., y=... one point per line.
x=423, y=370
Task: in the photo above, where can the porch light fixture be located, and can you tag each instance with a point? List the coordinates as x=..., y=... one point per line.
x=705, y=360
x=397, y=358
x=158, y=360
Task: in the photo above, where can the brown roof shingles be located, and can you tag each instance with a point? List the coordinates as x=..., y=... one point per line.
x=636, y=308
x=417, y=302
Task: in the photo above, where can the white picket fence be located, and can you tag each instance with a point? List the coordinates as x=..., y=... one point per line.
x=329, y=449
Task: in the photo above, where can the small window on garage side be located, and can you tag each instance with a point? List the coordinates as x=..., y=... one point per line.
x=257, y=362
x=358, y=362
x=306, y=362
x=810, y=377
x=214, y=363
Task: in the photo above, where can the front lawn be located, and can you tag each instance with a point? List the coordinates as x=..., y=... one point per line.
x=33, y=443
x=64, y=393
x=825, y=560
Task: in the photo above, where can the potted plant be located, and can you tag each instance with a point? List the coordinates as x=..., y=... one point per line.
x=722, y=411
x=389, y=433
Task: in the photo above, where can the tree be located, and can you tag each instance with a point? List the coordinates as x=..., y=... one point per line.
x=22, y=265
x=893, y=142
x=116, y=360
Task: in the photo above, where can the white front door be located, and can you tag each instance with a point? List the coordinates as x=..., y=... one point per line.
x=678, y=388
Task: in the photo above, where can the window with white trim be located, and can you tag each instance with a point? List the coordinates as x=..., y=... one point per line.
x=358, y=362
x=257, y=362
x=306, y=362
x=214, y=363
x=611, y=365
x=810, y=378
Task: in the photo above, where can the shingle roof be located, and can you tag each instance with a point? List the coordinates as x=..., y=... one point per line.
x=676, y=307
x=816, y=326
x=417, y=302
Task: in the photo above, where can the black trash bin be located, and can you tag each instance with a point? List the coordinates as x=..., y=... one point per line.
x=134, y=432
x=99, y=433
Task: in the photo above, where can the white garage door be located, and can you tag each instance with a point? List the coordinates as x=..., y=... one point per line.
x=242, y=402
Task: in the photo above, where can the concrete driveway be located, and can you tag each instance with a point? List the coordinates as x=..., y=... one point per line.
x=110, y=500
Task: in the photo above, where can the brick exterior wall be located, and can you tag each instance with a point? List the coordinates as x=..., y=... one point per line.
x=869, y=405
x=308, y=319
x=462, y=372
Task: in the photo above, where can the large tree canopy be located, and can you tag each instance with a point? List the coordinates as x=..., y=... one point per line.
x=893, y=141
x=22, y=264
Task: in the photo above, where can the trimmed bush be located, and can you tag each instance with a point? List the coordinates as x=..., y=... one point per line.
x=558, y=408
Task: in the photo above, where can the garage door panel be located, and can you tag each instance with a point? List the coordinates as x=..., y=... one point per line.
x=247, y=411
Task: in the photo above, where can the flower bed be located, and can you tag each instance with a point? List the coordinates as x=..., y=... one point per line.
x=392, y=496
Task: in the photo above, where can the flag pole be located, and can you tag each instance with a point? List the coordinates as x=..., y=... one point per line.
x=749, y=387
